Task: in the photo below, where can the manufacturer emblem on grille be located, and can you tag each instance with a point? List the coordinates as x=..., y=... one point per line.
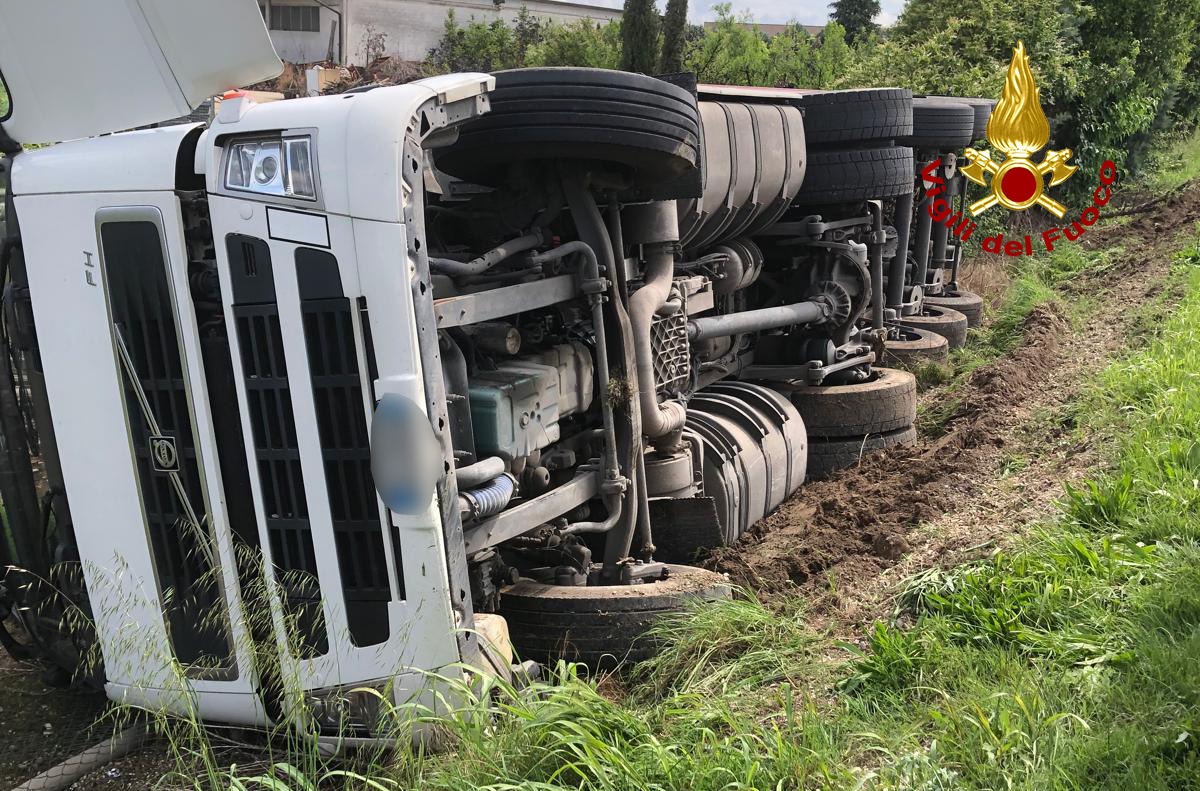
x=163, y=454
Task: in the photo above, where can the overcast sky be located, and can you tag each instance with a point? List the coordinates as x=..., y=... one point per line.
x=806, y=12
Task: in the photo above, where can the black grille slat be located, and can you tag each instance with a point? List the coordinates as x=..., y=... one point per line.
x=337, y=386
x=337, y=394
x=142, y=310
x=268, y=397
x=280, y=475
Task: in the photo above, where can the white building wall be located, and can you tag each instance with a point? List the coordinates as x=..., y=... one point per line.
x=299, y=46
x=413, y=27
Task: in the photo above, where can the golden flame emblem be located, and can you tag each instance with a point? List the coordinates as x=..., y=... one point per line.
x=1018, y=128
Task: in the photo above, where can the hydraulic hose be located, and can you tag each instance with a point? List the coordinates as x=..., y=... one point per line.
x=483, y=263
x=479, y=473
x=67, y=773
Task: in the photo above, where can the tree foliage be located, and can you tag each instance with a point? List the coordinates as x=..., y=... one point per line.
x=580, y=43
x=639, y=36
x=529, y=41
x=674, y=36
x=736, y=52
x=857, y=17
x=1112, y=73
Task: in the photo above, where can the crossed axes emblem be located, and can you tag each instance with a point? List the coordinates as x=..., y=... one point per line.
x=1054, y=165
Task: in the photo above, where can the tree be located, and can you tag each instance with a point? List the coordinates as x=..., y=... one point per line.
x=639, y=36
x=674, y=32
x=856, y=16
x=579, y=43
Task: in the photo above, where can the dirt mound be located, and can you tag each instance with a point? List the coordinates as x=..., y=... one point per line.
x=860, y=520
x=844, y=531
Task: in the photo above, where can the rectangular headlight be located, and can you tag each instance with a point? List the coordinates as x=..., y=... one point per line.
x=280, y=166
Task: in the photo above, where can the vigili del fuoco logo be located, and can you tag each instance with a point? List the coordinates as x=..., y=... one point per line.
x=1018, y=129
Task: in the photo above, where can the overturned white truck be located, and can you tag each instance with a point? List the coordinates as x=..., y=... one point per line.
x=614, y=302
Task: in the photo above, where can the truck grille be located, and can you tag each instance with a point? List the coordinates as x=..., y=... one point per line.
x=161, y=431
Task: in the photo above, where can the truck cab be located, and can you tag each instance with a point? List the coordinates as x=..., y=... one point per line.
x=337, y=394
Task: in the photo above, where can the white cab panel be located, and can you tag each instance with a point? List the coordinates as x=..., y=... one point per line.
x=78, y=68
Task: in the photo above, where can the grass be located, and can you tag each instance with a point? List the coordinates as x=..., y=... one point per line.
x=1048, y=280
x=1178, y=164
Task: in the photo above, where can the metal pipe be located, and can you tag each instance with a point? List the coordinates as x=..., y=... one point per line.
x=483, y=263
x=589, y=224
x=809, y=312
x=876, y=249
x=611, y=464
x=663, y=418
x=941, y=232
x=613, y=503
x=921, y=250
x=895, y=286
x=479, y=473
x=643, y=521
x=958, y=246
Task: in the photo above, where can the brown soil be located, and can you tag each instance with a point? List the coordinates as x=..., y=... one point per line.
x=40, y=725
x=846, y=541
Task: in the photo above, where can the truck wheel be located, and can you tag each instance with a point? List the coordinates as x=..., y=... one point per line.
x=982, y=108
x=946, y=322
x=648, y=128
x=855, y=115
x=915, y=347
x=965, y=302
x=601, y=626
x=826, y=456
x=983, y=111
x=942, y=125
x=856, y=174
x=886, y=402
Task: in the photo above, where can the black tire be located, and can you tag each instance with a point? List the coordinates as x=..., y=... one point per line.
x=832, y=117
x=941, y=125
x=648, y=128
x=600, y=626
x=965, y=302
x=886, y=402
x=982, y=108
x=856, y=174
x=827, y=456
x=983, y=111
x=916, y=347
x=946, y=322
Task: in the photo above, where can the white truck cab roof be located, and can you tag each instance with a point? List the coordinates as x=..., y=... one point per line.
x=79, y=68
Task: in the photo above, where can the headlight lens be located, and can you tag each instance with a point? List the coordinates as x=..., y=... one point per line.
x=280, y=167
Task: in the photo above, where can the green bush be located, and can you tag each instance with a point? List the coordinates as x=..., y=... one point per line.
x=736, y=54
